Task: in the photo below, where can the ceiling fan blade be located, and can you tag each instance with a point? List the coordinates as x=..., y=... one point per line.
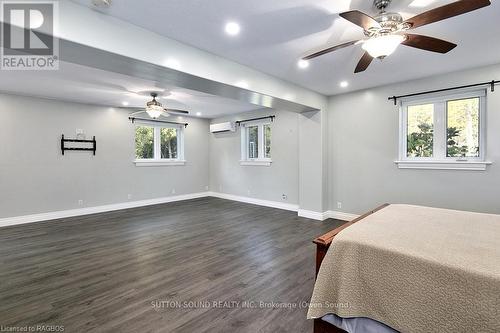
x=137, y=111
x=428, y=43
x=360, y=19
x=447, y=11
x=363, y=64
x=176, y=111
x=328, y=50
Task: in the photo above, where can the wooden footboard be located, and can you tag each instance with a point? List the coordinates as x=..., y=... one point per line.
x=322, y=244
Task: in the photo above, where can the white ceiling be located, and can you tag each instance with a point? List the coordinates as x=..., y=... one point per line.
x=81, y=84
x=275, y=34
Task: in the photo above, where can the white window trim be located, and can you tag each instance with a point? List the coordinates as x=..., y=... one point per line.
x=157, y=161
x=440, y=127
x=260, y=161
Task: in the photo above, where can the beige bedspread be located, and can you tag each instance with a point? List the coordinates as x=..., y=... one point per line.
x=416, y=269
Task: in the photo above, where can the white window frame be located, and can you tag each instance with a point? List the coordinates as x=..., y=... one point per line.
x=440, y=161
x=261, y=160
x=157, y=160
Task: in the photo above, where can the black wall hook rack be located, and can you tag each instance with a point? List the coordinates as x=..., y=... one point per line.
x=63, y=147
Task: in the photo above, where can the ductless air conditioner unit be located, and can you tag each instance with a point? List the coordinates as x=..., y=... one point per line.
x=223, y=127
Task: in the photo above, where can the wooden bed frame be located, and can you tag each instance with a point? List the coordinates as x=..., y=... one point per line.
x=322, y=244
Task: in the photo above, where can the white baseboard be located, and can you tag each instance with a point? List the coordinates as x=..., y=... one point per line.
x=332, y=214
x=260, y=202
x=8, y=221
x=309, y=214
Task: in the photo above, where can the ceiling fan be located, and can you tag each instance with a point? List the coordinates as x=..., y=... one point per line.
x=155, y=109
x=387, y=30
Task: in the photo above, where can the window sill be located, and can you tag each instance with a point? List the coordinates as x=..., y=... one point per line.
x=444, y=165
x=153, y=163
x=256, y=162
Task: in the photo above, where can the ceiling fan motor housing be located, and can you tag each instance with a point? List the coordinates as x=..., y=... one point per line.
x=154, y=102
x=389, y=22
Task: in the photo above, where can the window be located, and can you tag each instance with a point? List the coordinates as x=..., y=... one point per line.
x=159, y=145
x=168, y=143
x=267, y=141
x=444, y=132
x=256, y=143
x=253, y=142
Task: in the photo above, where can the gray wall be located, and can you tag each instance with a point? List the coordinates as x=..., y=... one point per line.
x=361, y=131
x=363, y=145
x=35, y=177
x=262, y=182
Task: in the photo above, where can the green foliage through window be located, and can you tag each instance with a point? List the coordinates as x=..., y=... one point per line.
x=148, y=147
x=463, y=128
x=168, y=143
x=253, y=141
x=267, y=141
x=144, y=142
x=420, y=131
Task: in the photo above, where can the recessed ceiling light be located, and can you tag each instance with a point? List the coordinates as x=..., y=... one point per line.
x=198, y=114
x=173, y=63
x=344, y=84
x=232, y=28
x=125, y=103
x=303, y=64
x=242, y=84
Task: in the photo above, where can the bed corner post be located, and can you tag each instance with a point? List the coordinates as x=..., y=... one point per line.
x=321, y=249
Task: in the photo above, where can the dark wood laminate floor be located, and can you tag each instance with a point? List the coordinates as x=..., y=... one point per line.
x=104, y=272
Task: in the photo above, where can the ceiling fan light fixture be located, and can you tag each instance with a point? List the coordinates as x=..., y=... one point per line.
x=383, y=46
x=154, y=111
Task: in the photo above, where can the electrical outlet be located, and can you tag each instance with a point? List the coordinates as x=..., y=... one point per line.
x=206, y=188
x=284, y=197
x=80, y=202
x=173, y=191
x=339, y=205
x=248, y=192
x=129, y=196
x=220, y=188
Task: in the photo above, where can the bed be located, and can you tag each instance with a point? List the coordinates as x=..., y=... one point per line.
x=404, y=268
